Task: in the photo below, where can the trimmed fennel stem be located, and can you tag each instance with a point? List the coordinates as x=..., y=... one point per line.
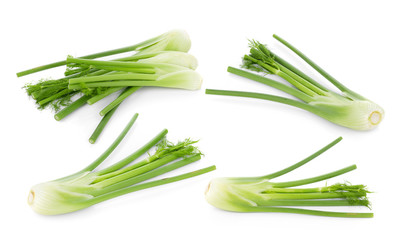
x=71, y=108
x=101, y=96
x=269, y=97
x=101, y=125
x=134, y=155
x=143, y=73
x=117, y=77
x=108, y=112
x=55, y=96
x=60, y=86
x=314, y=179
x=299, y=164
x=311, y=196
x=295, y=70
x=90, y=56
x=272, y=83
x=115, y=103
x=308, y=212
x=109, y=91
x=131, y=171
x=152, y=184
x=292, y=167
x=130, y=58
x=298, y=82
x=335, y=82
x=302, y=162
x=113, y=146
x=115, y=64
x=314, y=203
x=109, y=181
x=106, y=153
x=123, y=181
x=280, y=86
x=79, y=102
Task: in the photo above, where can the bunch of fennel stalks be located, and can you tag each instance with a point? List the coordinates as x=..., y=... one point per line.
x=90, y=186
x=346, y=108
x=261, y=194
x=161, y=61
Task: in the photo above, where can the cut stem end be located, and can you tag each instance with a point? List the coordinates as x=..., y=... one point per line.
x=31, y=197
x=375, y=117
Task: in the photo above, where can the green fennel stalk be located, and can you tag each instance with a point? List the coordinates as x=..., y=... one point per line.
x=171, y=40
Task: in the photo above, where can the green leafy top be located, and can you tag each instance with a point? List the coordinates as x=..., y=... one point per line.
x=260, y=59
x=165, y=147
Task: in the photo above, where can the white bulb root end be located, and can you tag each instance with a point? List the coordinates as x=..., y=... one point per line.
x=375, y=117
x=31, y=197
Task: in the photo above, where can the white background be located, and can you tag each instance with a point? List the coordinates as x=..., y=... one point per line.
x=359, y=42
